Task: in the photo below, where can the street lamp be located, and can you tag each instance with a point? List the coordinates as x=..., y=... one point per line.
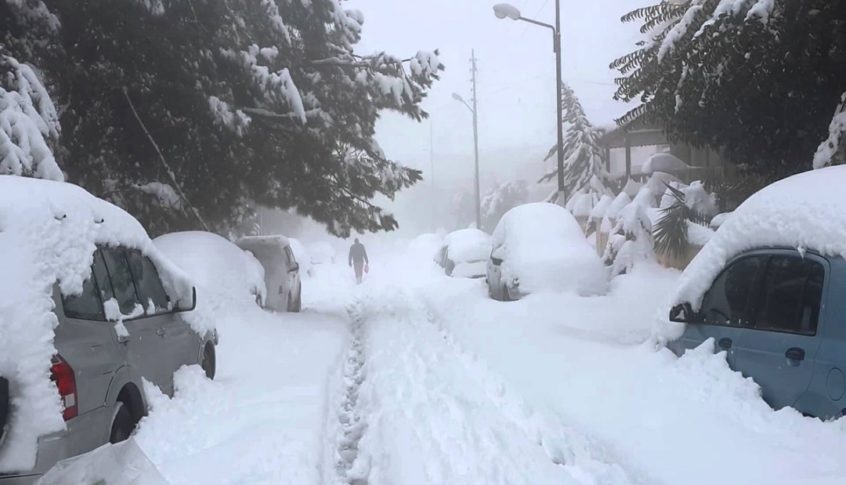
x=506, y=11
x=472, y=109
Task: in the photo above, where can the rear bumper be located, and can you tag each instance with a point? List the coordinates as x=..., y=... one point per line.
x=85, y=433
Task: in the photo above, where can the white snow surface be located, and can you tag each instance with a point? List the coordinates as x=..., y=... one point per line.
x=601, y=207
x=807, y=211
x=417, y=378
x=543, y=248
x=217, y=266
x=468, y=245
x=48, y=234
x=321, y=252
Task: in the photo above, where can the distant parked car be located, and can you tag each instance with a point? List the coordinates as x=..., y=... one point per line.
x=89, y=309
x=767, y=289
x=540, y=247
x=465, y=253
x=321, y=252
x=281, y=271
x=216, y=265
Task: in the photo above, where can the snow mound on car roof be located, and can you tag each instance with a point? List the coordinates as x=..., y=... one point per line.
x=216, y=264
x=543, y=248
x=48, y=234
x=805, y=211
x=468, y=245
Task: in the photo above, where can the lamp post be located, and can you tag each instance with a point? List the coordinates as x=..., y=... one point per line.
x=472, y=109
x=507, y=11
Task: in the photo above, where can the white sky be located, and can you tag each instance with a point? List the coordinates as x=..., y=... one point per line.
x=516, y=78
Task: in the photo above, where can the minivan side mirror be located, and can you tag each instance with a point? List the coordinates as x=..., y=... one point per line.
x=183, y=306
x=683, y=313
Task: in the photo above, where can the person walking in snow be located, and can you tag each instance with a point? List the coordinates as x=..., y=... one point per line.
x=358, y=260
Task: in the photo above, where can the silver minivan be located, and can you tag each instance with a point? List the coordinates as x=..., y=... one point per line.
x=98, y=372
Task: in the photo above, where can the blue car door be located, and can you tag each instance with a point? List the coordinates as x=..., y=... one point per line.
x=725, y=313
x=779, y=352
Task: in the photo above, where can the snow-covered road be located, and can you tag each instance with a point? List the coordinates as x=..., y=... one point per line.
x=415, y=378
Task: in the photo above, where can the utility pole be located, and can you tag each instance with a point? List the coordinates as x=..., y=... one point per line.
x=473, y=70
x=473, y=106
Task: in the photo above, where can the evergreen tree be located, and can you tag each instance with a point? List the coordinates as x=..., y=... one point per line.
x=583, y=152
x=500, y=200
x=758, y=79
x=29, y=124
x=189, y=114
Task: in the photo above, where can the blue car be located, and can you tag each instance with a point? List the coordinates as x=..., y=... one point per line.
x=780, y=316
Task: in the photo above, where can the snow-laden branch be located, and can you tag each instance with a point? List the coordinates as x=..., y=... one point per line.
x=28, y=119
x=828, y=149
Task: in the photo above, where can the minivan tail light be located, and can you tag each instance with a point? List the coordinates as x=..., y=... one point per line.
x=62, y=374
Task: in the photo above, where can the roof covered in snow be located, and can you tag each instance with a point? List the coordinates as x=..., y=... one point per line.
x=468, y=245
x=807, y=211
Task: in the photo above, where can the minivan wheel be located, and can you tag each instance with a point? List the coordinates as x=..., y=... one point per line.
x=123, y=425
x=209, y=361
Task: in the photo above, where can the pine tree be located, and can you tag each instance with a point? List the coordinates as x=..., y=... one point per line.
x=583, y=152
x=228, y=106
x=500, y=200
x=756, y=78
x=29, y=124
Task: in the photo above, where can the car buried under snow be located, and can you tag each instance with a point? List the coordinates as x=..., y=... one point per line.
x=89, y=310
x=767, y=290
x=540, y=247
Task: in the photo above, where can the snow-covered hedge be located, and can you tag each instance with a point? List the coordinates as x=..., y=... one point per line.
x=48, y=234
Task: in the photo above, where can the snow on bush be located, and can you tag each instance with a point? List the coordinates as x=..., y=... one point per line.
x=543, y=248
x=805, y=211
x=220, y=269
x=48, y=234
x=631, y=241
x=828, y=149
x=468, y=245
x=28, y=120
x=601, y=207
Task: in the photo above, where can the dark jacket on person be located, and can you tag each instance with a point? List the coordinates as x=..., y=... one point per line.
x=358, y=254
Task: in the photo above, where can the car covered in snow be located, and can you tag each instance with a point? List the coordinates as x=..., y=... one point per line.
x=90, y=311
x=541, y=247
x=767, y=290
x=216, y=265
x=281, y=271
x=464, y=253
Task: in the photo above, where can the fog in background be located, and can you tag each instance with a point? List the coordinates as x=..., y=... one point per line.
x=516, y=96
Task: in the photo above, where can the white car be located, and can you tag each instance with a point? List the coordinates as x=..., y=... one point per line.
x=464, y=253
x=216, y=265
x=281, y=271
x=540, y=247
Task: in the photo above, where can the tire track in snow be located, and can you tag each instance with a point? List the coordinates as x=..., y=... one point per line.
x=350, y=424
x=443, y=417
x=563, y=444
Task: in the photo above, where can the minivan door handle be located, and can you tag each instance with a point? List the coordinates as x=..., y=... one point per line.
x=160, y=331
x=725, y=343
x=795, y=354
